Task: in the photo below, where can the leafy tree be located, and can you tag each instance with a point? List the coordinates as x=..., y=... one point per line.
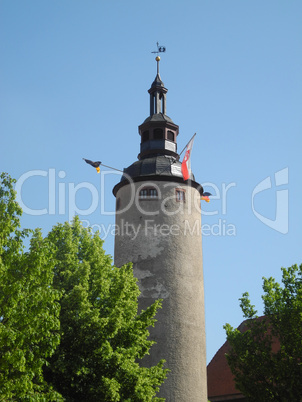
x=266, y=356
x=29, y=309
x=102, y=336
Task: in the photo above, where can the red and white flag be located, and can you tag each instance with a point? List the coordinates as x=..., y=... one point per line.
x=186, y=163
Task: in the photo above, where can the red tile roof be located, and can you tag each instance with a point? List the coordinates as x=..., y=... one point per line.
x=221, y=385
x=220, y=378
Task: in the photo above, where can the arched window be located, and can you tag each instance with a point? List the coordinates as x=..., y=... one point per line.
x=170, y=135
x=148, y=192
x=145, y=136
x=158, y=134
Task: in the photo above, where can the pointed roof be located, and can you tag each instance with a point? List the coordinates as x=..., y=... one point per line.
x=157, y=82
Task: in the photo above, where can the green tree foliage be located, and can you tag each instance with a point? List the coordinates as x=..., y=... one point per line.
x=103, y=337
x=69, y=326
x=266, y=356
x=29, y=324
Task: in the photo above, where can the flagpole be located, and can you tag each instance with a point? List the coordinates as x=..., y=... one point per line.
x=110, y=167
x=187, y=144
x=173, y=161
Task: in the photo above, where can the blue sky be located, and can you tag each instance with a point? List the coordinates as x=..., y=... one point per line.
x=74, y=81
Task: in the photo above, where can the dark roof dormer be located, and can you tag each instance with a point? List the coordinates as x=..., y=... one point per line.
x=158, y=132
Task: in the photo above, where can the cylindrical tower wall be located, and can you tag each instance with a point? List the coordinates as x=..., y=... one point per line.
x=161, y=236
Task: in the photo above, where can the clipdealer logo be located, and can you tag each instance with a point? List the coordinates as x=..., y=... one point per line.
x=62, y=199
x=280, y=223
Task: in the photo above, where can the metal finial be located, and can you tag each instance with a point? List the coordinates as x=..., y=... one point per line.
x=160, y=49
x=157, y=58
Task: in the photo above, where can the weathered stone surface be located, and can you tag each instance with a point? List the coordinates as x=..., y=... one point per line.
x=162, y=237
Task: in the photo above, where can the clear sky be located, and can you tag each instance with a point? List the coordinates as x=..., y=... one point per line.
x=74, y=77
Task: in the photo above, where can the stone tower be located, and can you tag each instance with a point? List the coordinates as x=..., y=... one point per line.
x=159, y=220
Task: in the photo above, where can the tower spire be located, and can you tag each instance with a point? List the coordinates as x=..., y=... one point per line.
x=158, y=91
x=158, y=132
x=158, y=94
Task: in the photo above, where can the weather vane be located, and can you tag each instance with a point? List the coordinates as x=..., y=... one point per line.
x=160, y=49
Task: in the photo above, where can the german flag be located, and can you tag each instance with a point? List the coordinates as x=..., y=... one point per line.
x=205, y=197
x=93, y=164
